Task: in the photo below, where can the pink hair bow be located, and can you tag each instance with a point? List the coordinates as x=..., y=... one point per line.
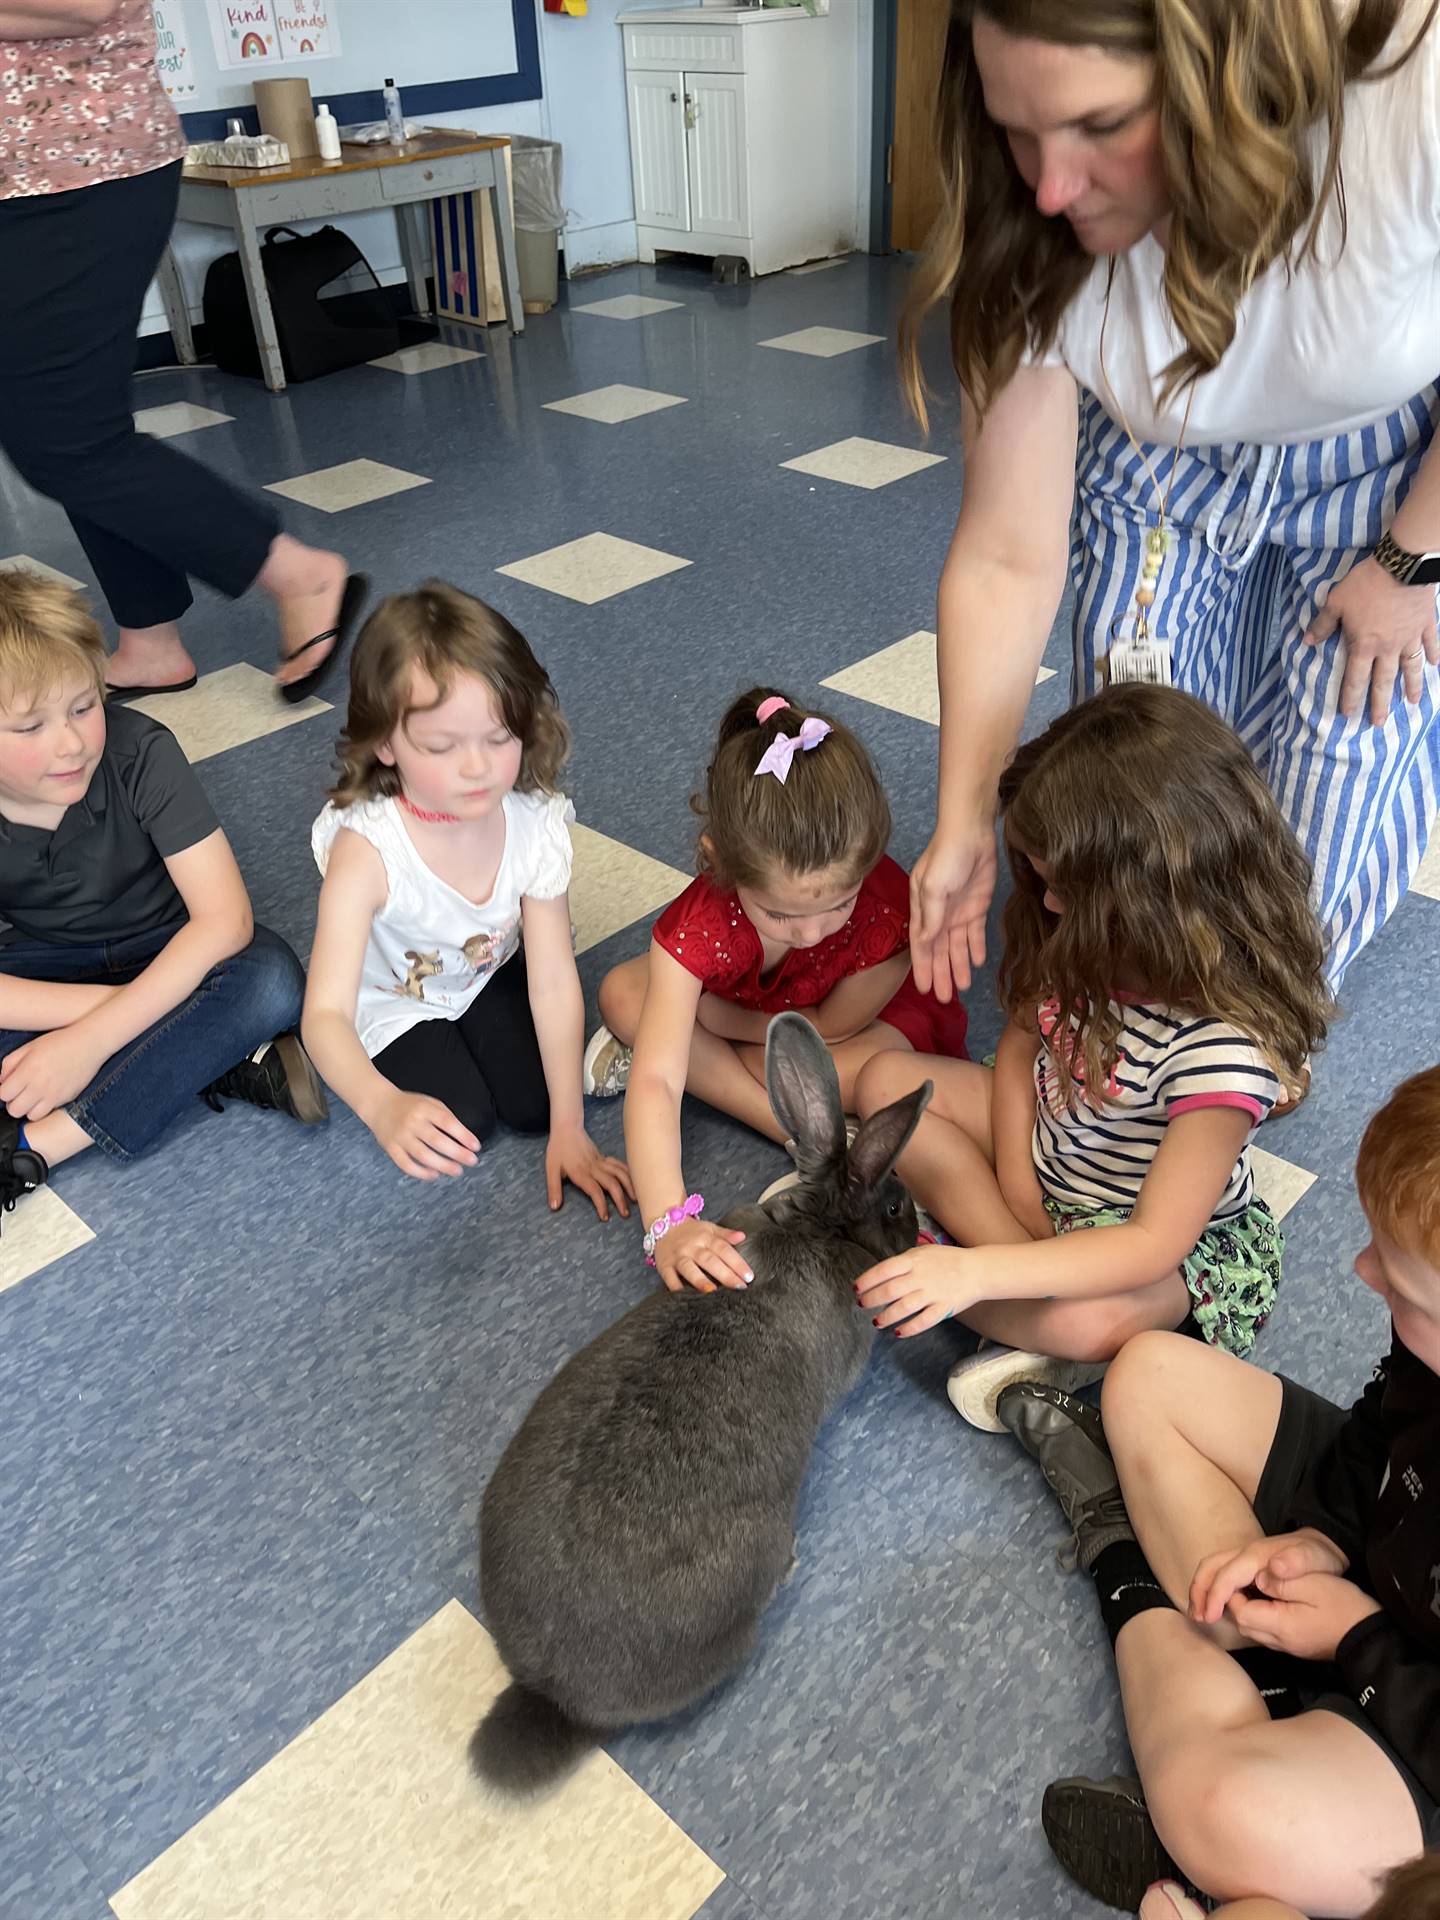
x=784, y=747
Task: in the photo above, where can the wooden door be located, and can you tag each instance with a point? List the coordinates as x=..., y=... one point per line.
x=657, y=150
x=915, y=185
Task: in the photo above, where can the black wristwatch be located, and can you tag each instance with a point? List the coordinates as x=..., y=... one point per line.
x=1410, y=569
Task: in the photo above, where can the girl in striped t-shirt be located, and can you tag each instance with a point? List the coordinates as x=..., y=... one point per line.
x=1162, y=978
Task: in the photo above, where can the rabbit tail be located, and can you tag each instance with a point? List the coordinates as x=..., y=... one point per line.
x=526, y=1743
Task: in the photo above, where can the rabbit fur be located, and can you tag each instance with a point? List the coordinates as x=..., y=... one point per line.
x=643, y=1515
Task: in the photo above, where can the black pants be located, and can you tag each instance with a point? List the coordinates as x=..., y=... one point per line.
x=485, y=1065
x=75, y=269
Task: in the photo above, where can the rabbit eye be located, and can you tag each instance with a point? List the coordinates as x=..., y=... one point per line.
x=895, y=1209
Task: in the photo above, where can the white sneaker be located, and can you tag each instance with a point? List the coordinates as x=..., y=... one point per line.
x=606, y=1071
x=976, y=1383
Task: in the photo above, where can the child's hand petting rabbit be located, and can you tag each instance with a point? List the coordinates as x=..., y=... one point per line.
x=688, y=1255
x=918, y=1289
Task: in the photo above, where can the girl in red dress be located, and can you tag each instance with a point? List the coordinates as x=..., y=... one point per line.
x=797, y=905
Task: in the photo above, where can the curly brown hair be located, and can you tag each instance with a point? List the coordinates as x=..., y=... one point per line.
x=831, y=811
x=1240, y=86
x=441, y=632
x=1179, y=876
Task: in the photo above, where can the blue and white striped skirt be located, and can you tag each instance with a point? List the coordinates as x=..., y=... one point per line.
x=1259, y=534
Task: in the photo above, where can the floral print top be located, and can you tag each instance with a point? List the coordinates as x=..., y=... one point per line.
x=85, y=108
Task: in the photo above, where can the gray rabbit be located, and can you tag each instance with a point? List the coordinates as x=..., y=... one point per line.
x=643, y=1516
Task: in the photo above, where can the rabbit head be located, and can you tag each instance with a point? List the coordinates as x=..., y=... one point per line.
x=845, y=1189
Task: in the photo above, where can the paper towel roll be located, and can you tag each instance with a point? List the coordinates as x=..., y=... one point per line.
x=286, y=111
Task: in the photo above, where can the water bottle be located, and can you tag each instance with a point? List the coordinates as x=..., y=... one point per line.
x=394, y=115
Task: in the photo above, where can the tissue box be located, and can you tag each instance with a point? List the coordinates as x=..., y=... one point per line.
x=250, y=150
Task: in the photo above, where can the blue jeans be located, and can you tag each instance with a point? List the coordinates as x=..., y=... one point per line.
x=237, y=1007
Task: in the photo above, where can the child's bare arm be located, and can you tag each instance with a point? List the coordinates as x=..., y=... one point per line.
x=39, y=1006
x=557, y=1006
x=1177, y=1202
x=1012, y=1124
x=658, y=1072
x=857, y=1001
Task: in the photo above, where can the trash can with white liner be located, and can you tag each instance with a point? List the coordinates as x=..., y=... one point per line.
x=539, y=217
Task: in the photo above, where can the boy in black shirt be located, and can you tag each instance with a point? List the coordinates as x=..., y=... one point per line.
x=132, y=976
x=1268, y=1567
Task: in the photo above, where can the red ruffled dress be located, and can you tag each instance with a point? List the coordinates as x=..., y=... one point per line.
x=708, y=932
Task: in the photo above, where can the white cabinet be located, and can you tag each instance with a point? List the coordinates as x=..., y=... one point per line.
x=743, y=132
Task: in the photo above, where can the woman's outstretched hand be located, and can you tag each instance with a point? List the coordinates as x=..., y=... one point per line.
x=950, y=894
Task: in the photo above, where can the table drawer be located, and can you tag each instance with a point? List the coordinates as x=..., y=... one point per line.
x=420, y=179
x=692, y=49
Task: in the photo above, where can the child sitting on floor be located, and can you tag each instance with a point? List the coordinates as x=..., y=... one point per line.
x=132, y=976
x=444, y=840
x=1162, y=978
x=797, y=905
x=1268, y=1570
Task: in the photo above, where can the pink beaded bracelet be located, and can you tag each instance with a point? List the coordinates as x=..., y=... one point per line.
x=672, y=1216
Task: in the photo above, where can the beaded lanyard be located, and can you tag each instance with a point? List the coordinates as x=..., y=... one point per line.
x=1138, y=654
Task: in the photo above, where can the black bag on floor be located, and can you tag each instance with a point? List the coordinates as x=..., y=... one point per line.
x=330, y=310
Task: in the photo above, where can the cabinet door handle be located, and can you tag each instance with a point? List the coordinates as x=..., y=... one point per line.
x=692, y=110
x=673, y=98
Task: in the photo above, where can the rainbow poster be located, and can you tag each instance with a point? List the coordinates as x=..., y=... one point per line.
x=307, y=32
x=245, y=33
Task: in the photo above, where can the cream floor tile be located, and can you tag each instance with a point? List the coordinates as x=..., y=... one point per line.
x=1427, y=877
x=818, y=266
x=177, y=416
x=1279, y=1183
x=372, y=1813
x=627, y=306
x=858, y=462
x=611, y=405
x=612, y=886
x=225, y=709
x=823, y=342
x=354, y=483
x=426, y=358
x=40, y=1231
x=594, y=568
x=902, y=678
x=23, y=563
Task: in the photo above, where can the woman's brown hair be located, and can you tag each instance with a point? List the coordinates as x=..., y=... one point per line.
x=1179, y=877
x=441, y=632
x=831, y=811
x=1241, y=84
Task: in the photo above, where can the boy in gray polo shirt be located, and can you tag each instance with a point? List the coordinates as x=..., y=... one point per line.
x=133, y=976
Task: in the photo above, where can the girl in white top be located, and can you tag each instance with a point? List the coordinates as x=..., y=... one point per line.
x=444, y=842
x=1162, y=976
x=1191, y=257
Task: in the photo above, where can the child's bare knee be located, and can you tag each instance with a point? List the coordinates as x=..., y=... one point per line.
x=1209, y=1805
x=883, y=1078
x=621, y=998
x=1131, y=1382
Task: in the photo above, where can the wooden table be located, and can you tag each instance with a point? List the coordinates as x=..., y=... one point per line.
x=247, y=200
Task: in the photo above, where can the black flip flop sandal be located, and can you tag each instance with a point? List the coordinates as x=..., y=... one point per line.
x=121, y=694
x=357, y=586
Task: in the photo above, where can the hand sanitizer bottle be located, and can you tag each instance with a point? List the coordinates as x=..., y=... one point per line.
x=327, y=134
x=394, y=116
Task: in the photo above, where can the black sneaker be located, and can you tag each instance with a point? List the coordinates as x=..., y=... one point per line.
x=1102, y=1834
x=278, y=1077
x=1067, y=1437
x=22, y=1170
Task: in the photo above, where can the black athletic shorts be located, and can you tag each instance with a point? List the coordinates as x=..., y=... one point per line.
x=1308, y=1423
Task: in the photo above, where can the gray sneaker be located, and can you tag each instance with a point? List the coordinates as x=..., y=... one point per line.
x=1068, y=1439
x=606, y=1071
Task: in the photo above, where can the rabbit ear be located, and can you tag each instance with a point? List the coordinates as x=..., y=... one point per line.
x=804, y=1092
x=885, y=1136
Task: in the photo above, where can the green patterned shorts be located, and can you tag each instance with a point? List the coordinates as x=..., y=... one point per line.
x=1233, y=1274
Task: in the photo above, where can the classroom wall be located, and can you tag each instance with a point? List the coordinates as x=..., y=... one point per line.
x=583, y=107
